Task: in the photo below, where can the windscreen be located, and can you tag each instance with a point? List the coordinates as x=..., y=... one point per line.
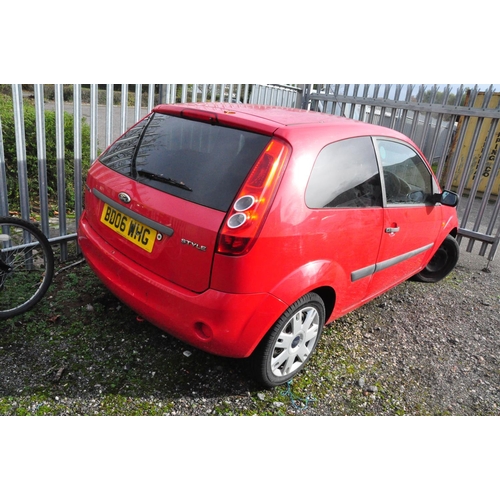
x=196, y=161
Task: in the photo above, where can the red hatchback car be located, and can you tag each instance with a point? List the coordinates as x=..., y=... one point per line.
x=243, y=229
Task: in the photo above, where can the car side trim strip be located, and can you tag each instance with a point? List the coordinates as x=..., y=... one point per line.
x=380, y=266
x=363, y=273
x=166, y=230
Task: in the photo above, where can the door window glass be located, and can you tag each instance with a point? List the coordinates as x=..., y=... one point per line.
x=406, y=177
x=345, y=175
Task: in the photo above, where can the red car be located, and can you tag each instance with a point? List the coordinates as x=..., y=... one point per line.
x=243, y=229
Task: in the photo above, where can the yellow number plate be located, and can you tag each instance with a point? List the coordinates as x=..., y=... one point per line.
x=136, y=232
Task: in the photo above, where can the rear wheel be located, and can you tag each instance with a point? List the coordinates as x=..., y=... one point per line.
x=290, y=343
x=442, y=263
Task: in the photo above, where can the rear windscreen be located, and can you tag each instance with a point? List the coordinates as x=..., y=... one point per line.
x=196, y=161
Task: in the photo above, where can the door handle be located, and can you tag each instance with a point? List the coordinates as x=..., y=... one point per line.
x=391, y=230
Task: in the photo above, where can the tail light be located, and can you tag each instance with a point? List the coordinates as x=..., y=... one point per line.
x=247, y=214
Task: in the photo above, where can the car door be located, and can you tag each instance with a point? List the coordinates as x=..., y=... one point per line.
x=411, y=220
x=346, y=220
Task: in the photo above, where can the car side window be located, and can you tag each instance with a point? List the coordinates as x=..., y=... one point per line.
x=406, y=177
x=345, y=175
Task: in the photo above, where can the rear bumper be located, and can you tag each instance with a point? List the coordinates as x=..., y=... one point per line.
x=225, y=324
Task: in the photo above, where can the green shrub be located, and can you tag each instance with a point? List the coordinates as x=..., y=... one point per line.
x=9, y=142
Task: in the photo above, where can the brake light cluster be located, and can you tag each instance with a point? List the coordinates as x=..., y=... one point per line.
x=244, y=220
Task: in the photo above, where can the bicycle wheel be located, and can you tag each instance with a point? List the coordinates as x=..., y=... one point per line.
x=26, y=266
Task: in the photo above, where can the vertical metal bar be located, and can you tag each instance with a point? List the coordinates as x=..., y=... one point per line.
x=184, y=93
x=438, y=126
x=491, y=226
x=124, y=108
x=60, y=166
x=284, y=97
x=494, y=247
x=447, y=145
x=404, y=114
x=336, y=92
x=427, y=119
x=194, y=92
x=93, y=121
x=4, y=202
x=109, y=114
x=161, y=93
x=42, y=158
x=204, y=93
x=22, y=166
x=342, y=107
x=416, y=116
x=151, y=96
x=324, y=102
x=77, y=134
x=138, y=102
x=372, y=107
x=470, y=155
x=247, y=89
x=230, y=96
x=362, y=108
x=435, y=138
x=394, y=114
x=274, y=96
x=238, y=92
x=352, y=111
x=254, y=93
x=383, y=109
x=453, y=165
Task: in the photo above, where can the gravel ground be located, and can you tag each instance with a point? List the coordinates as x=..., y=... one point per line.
x=420, y=349
x=440, y=343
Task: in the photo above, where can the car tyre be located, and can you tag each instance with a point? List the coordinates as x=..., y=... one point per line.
x=442, y=262
x=289, y=344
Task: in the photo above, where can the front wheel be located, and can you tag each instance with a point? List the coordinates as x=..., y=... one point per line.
x=289, y=344
x=442, y=262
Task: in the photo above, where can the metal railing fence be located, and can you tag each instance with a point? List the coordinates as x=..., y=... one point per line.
x=456, y=128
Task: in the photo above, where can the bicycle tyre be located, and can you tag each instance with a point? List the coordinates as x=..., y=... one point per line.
x=26, y=266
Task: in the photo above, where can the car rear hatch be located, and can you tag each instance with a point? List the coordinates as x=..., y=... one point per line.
x=160, y=193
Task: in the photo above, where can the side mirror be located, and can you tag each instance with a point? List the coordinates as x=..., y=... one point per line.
x=448, y=198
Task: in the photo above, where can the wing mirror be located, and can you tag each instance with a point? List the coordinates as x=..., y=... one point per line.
x=448, y=198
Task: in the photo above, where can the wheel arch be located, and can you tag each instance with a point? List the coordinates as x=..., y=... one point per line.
x=313, y=277
x=328, y=296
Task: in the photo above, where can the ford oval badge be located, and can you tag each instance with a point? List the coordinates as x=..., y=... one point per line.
x=124, y=197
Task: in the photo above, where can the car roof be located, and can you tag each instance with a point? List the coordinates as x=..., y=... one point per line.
x=287, y=122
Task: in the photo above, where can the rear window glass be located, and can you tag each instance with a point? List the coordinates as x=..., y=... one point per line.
x=196, y=161
x=345, y=175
